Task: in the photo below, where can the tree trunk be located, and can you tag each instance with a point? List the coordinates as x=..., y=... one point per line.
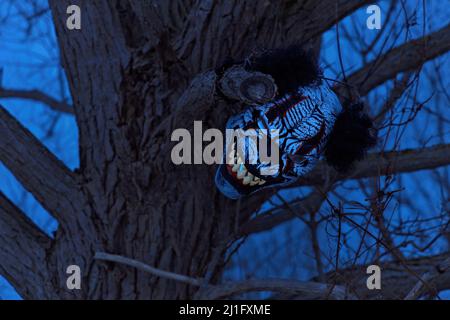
x=126, y=77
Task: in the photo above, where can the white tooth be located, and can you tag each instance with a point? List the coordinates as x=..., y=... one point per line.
x=262, y=182
x=241, y=172
x=230, y=157
x=247, y=180
x=235, y=168
x=253, y=183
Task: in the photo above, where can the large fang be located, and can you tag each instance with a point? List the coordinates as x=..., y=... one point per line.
x=246, y=177
x=242, y=171
x=247, y=180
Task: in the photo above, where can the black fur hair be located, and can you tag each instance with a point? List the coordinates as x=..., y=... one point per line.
x=353, y=134
x=290, y=67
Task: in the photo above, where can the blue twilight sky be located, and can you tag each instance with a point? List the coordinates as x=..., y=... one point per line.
x=29, y=59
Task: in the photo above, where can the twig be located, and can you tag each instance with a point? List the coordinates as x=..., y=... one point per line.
x=287, y=286
x=39, y=96
x=146, y=268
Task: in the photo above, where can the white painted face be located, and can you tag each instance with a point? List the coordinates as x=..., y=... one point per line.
x=303, y=119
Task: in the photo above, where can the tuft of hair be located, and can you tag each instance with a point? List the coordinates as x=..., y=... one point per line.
x=352, y=135
x=290, y=67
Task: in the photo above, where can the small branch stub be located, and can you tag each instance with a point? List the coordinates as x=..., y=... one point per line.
x=249, y=87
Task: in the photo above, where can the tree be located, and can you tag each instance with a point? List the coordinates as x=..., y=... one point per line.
x=139, y=69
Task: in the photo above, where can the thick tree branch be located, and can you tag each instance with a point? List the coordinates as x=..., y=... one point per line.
x=397, y=282
x=385, y=163
x=279, y=215
x=374, y=165
x=219, y=29
x=302, y=290
x=407, y=57
x=310, y=19
x=22, y=252
x=195, y=100
x=437, y=274
x=39, y=96
x=38, y=170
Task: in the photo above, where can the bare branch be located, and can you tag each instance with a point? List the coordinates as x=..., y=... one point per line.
x=385, y=163
x=39, y=96
x=146, y=268
x=274, y=217
x=38, y=170
x=407, y=57
x=374, y=165
x=302, y=290
x=306, y=290
x=396, y=280
x=23, y=251
x=395, y=94
x=432, y=276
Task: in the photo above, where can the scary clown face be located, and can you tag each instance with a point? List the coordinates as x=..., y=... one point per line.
x=300, y=124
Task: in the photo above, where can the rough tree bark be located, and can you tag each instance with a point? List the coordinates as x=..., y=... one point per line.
x=135, y=69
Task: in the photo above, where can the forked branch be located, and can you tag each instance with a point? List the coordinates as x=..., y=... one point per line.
x=37, y=169
x=23, y=252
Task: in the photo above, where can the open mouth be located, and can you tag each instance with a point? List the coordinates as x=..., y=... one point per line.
x=240, y=174
x=235, y=181
x=239, y=178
